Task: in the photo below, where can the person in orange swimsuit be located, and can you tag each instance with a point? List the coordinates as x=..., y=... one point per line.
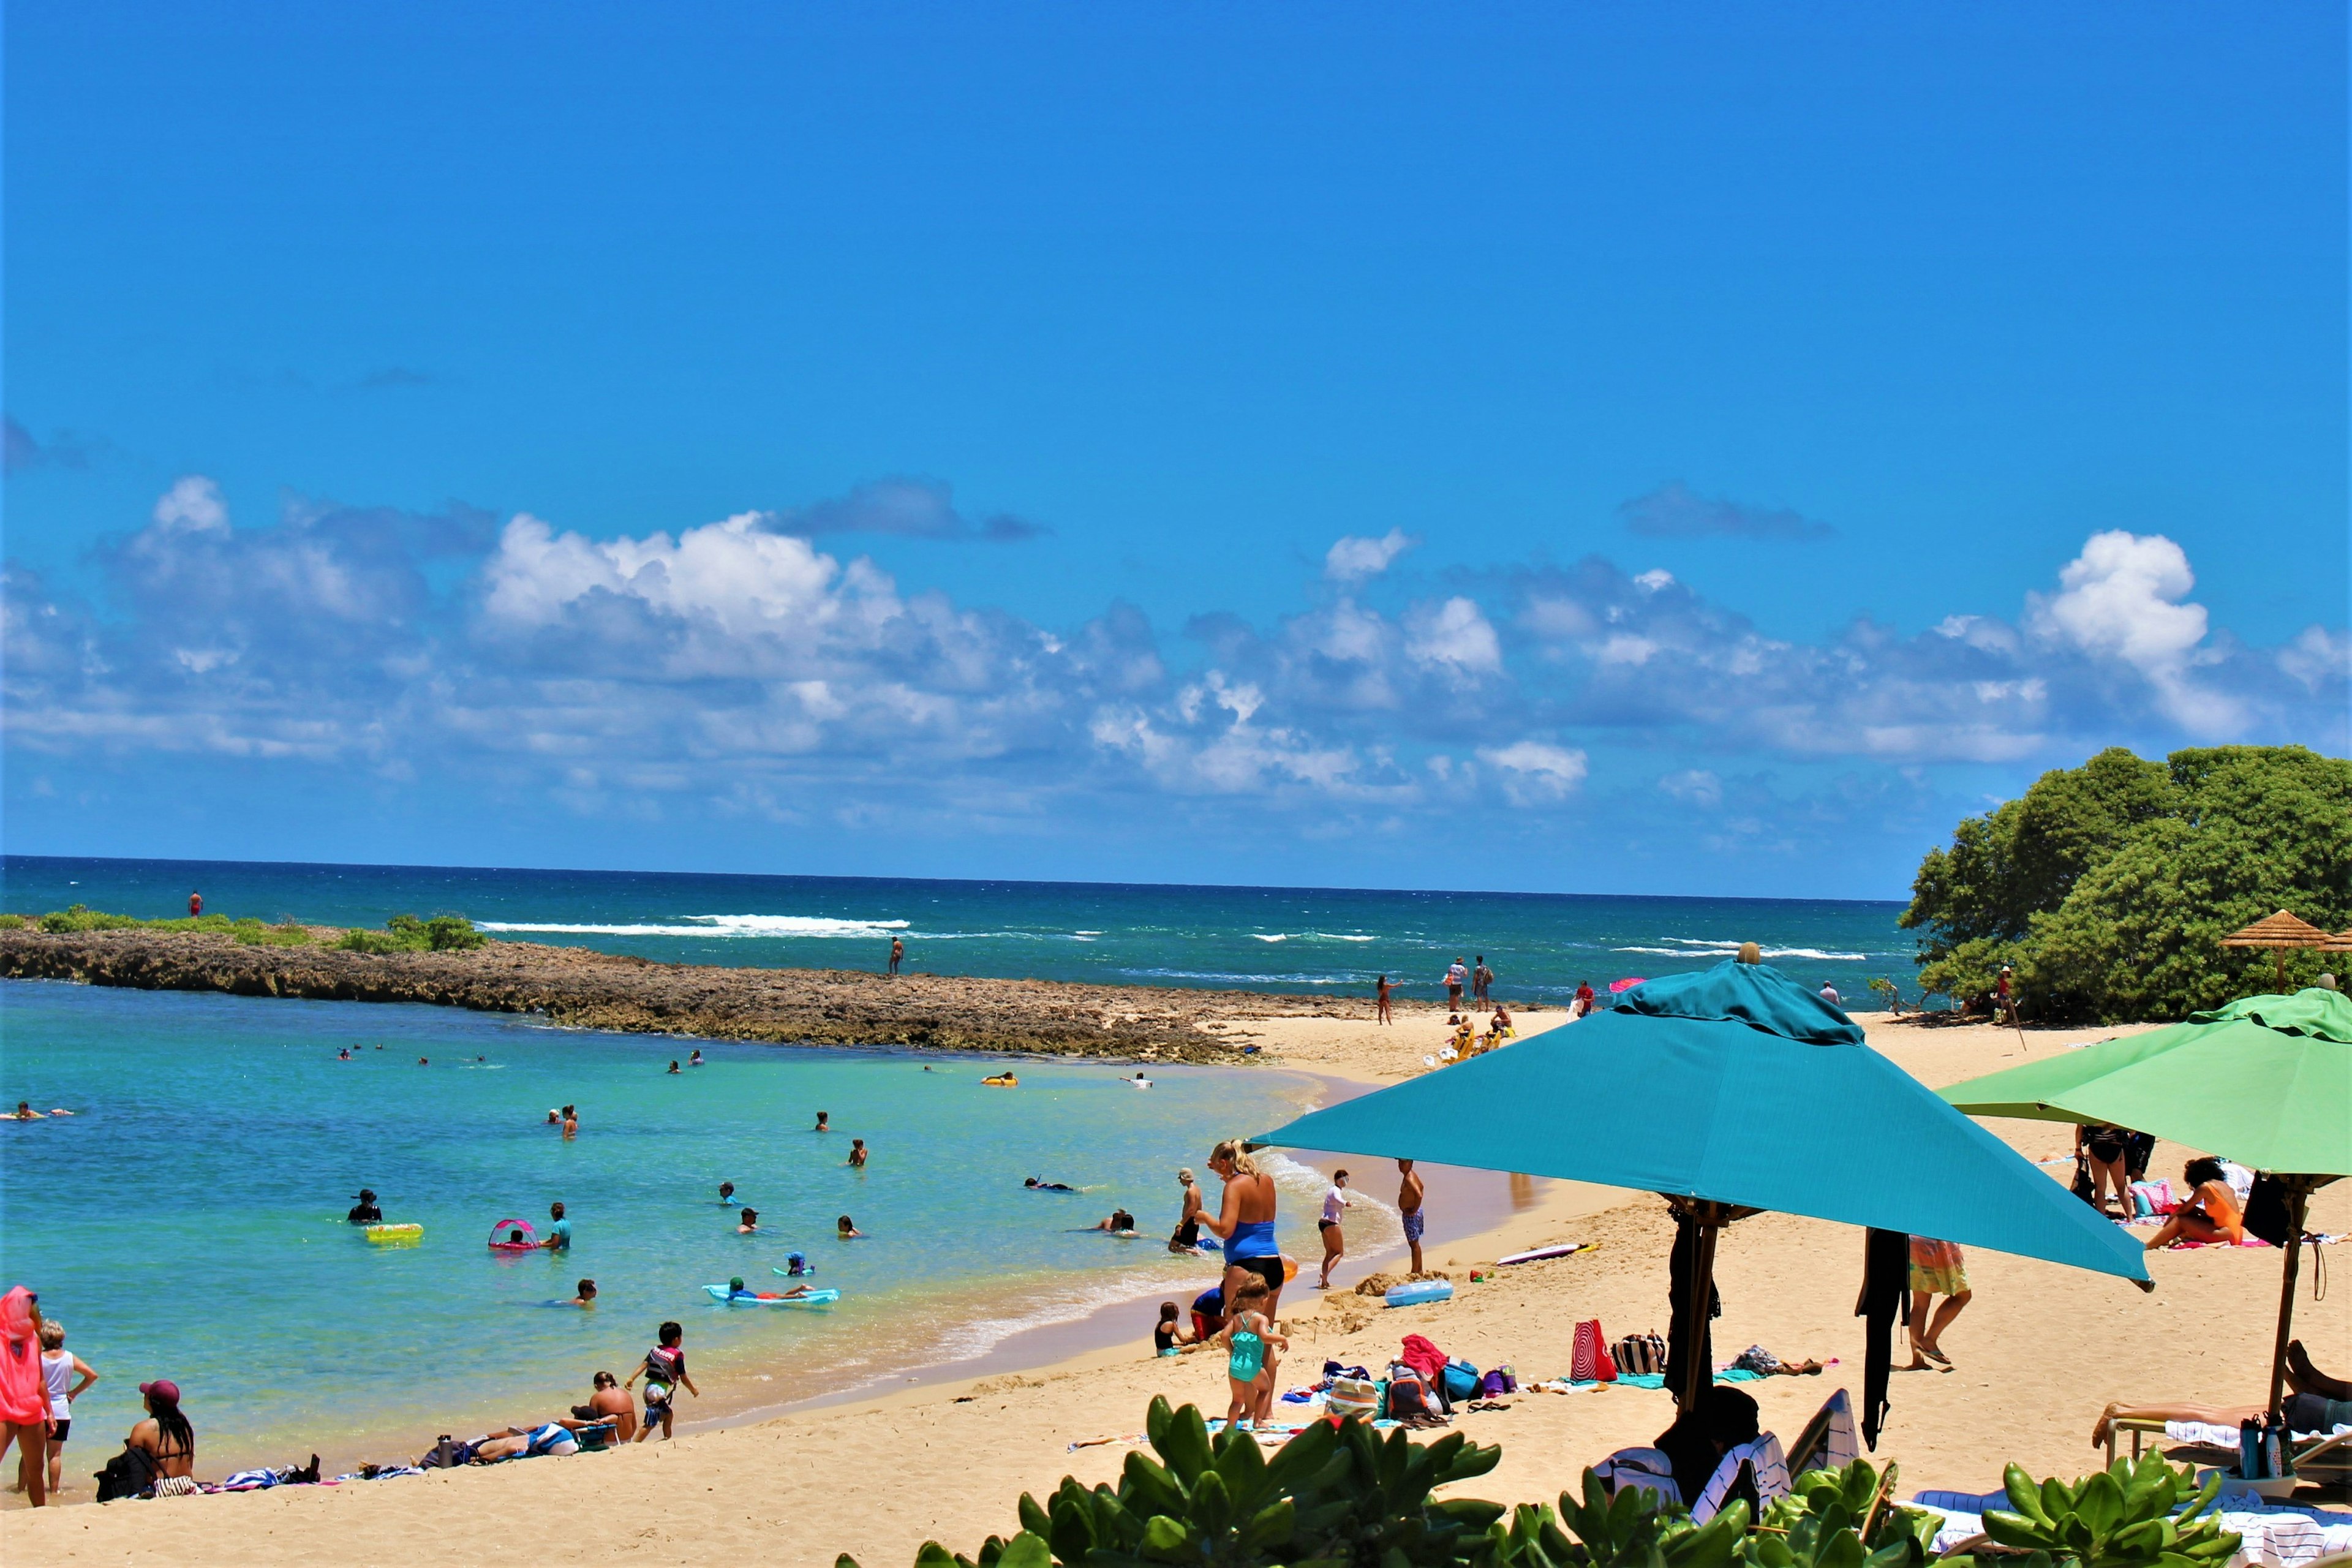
x=2211, y=1214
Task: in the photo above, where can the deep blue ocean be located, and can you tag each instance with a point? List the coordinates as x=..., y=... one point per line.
x=1297, y=939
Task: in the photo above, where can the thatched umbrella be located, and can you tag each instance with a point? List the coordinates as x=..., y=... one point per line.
x=2278, y=933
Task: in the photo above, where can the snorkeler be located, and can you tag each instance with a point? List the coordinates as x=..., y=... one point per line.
x=1034, y=1185
x=364, y=1212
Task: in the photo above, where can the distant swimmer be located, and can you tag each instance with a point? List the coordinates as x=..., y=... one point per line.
x=726, y=1191
x=695, y=1061
x=1139, y=1081
x=857, y=1152
x=24, y=1112
x=673, y=1064
x=797, y=1263
x=846, y=1229
x=1034, y=1185
x=1120, y=1222
x=824, y=1122
x=364, y=1212
x=424, y=1062
x=1002, y=1081
x=571, y=1124
x=344, y=1055
x=558, y=1232
x=587, y=1296
x=748, y=1222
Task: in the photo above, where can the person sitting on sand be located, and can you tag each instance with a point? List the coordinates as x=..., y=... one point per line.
x=663, y=1369
x=1694, y=1445
x=2211, y=1215
x=1120, y=1222
x=1034, y=1185
x=858, y=1154
x=846, y=1230
x=1168, y=1336
x=610, y=1403
x=2319, y=1404
x=1501, y=1024
x=1466, y=1040
x=1250, y=1341
x=1187, y=1236
x=748, y=1222
x=587, y=1294
x=166, y=1436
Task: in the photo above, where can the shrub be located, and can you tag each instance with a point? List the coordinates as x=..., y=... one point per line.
x=82, y=918
x=2120, y=1517
x=406, y=934
x=12, y=923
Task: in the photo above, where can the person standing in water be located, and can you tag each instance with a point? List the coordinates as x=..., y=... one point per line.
x=1335, y=1241
x=1244, y=1222
x=1409, y=1196
x=571, y=1124
x=559, y=1230
x=858, y=1154
x=824, y=1122
x=1187, y=1236
x=898, y=954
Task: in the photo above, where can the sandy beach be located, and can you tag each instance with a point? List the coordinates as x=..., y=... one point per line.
x=2037, y=1355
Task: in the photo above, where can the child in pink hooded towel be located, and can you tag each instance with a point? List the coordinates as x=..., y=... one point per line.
x=24, y=1394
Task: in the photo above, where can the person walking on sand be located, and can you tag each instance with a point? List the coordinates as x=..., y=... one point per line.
x=1245, y=1223
x=1409, y=1196
x=1187, y=1236
x=1380, y=1012
x=2005, y=998
x=1481, y=978
x=1937, y=1269
x=898, y=954
x=1336, y=1202
x=1456, y=975
x=663, y=1369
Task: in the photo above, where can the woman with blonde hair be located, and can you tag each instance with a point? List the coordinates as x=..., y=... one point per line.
x=1245, y=1223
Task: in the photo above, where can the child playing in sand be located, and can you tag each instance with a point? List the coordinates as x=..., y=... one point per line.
x=1250, y=1343
x=1168, y=1336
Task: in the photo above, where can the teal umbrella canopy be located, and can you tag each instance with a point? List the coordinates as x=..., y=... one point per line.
x=1736, y=1085
x=2266, y=1081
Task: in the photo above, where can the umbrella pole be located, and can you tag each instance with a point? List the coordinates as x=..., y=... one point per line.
x=1697, y=1368
x=2295, y=1210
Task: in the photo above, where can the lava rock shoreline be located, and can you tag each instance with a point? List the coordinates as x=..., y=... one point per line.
x=582, y=989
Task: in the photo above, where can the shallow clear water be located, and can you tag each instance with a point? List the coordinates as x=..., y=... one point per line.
x=1315, y=940
x=188, y=1222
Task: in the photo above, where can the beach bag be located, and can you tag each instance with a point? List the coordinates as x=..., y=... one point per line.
x=1589, y=1362
x=1502, y=1380
x=1460, y=1380
x=127, y=1474
x=2266, y=1215
x=1639, y=1353
x=1352, y=1396
x=2084, y=1187
x=1408, y=1394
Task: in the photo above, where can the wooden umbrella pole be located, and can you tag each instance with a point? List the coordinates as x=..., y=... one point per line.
x=1697, y=1368
x=2296, y=1209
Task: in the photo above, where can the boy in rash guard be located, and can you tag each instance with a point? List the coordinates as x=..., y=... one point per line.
x=665, y=1373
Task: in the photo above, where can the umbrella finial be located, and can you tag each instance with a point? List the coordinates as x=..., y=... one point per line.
x=1749, y=953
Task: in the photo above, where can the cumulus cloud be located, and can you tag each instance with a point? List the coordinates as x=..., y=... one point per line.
x=1355, y=560
x=744, y=665
x=1535, y=772
x=1674, y=511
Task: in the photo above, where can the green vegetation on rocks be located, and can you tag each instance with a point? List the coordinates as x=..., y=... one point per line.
x=406, y=934
x=289, y=932
x=2109, y=887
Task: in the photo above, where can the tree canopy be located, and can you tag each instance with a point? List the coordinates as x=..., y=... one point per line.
x=2108, y=887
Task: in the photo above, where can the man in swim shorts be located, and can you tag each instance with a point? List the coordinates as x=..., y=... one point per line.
x=1187, y=1237
x=747, y=1221
x=1409, y=1196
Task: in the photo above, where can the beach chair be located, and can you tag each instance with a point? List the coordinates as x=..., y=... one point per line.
x=2318, y=1461
x=1829, y=1441
x=1648, y=1469
x=1757, y=1471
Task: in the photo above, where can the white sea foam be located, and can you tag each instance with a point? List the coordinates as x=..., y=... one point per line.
x=1726, y=950
x=1277, y=936
x=715, y=925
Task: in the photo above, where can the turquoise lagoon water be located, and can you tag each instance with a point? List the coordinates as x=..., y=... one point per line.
x=1298, y=939
x=187, y=1223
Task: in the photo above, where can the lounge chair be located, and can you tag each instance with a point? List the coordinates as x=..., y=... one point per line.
x=1828, y=1441
x=2319, y=1461
x=1757, y=1471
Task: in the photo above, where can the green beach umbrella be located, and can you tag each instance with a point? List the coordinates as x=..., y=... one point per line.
x=2266, y=1081
x=1729, y=1090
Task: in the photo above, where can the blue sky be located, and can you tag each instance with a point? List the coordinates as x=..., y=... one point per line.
x=1702, y=449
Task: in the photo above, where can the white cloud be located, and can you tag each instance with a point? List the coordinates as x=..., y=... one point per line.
x=1696, y=785
x=2120, y=599
x=193, y=505
x=1535, y=772
x=1454, y=635
x=1355, y=558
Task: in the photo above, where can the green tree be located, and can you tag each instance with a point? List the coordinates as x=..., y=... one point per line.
x=2110, y=886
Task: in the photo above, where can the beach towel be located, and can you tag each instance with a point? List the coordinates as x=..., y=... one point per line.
x=1589, y=1361
x=1767, y=1470
x=1423, y=1357
x=23, y=1390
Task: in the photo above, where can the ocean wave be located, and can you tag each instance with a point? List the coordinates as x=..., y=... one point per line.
x=1726, y=950
x=1277, y=936
x=1311, y=936
x=1247, y=979
x=714, y=925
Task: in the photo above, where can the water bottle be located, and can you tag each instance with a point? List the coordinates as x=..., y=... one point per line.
x=2250, y=1449
x=2277, y=1450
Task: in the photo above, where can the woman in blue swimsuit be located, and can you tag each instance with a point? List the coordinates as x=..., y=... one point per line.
x=1245, y=1223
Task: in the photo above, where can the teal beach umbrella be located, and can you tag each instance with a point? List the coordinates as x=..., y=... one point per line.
x=2266, y=1081
x=1729, y=1090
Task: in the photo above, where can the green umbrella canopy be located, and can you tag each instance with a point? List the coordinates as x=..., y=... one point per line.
x=1738, y=1085
x=2266, y=1081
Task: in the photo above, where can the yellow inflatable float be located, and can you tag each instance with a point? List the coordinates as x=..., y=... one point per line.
x=1003, y=1080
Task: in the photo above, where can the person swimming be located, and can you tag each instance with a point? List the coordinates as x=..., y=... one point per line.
x=344, y=1055
x=796, y=1263
x=857, y=1152
x=726, y=1191
x=1120, y=1222
x=587, y=1296
x=695, y=1061
x=673, y=1065
x=823, y=1122
x=1034, y=1185
x=750, y=1221
x=847, y=1230
x=364, y=1212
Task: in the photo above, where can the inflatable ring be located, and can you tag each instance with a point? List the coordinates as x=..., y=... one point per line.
x=396, y=1234
x=1002, y=1081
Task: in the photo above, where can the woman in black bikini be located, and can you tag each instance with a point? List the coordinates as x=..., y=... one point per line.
x=2102, y=1148
x=166, y=1437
